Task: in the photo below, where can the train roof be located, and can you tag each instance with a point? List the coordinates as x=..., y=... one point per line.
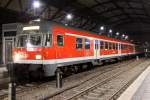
x=83, y=32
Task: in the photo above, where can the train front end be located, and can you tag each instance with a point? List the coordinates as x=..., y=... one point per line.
x=28, y=46
x=28, y=54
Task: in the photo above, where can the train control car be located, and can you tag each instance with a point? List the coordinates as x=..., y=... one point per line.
x=42, y=48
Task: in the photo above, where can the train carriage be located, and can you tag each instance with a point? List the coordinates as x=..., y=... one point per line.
x=47, y=46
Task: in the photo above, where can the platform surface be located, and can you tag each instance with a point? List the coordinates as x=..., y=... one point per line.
x=143, y=92
x=3, y=69
x=139, y=89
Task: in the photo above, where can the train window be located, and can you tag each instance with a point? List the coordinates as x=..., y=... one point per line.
x=87, y=44
x=96, y=44
x=22, y=39
x=60, y=40
x=79, y=43
x=102, y=45
x=106, y=45
x=110, y=45
x=48, y=41
x=122, y=46
x=114, y=46
x=35, y=40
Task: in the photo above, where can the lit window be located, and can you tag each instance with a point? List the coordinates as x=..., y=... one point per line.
x=60, y=40
x=87, y=44
x=79, y=43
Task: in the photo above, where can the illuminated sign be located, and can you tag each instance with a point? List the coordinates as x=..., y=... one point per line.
x=31, y=28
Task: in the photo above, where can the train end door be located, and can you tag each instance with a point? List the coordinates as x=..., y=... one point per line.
x=96, y=49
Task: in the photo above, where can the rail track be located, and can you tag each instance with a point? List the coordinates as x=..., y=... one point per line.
x=39, y=92
x=101, y=90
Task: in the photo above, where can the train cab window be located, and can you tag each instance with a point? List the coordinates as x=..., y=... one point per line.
x=79, y=43
x=87, y=44
x=22, y=39
x=35, y=39
x=48, y=41
x=60, y=40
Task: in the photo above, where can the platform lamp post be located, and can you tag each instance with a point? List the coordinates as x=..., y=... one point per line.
x=36, y=4
x=12, y=84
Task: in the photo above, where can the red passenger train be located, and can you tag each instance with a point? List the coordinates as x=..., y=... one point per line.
x=44, y=47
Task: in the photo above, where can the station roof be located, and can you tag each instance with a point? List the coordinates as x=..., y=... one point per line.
x=131, y=17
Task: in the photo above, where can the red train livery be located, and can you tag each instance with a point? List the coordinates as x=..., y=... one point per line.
x=49, y=45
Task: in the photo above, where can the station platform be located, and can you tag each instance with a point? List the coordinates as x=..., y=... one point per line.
x=3, y=71
x=139, y=89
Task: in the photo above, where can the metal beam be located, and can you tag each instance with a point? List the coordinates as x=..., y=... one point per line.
x=20, y=5
x=125, y=20
x=55, y=14
x=107, y=2
x=99, y=4
x=121, y=9
x=145, y=10
x=133, y=11
x=8, y=3
x=124, y=15
x=114, y=9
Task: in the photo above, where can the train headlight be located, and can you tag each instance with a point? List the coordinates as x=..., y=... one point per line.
x=38, y=57
x=17, y=57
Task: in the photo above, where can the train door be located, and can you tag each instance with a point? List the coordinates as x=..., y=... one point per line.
x=96, y=49
x=119, y=48
x=60, y=47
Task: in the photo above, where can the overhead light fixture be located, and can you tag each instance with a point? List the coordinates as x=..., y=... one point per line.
x=117, y=33
x=110, y=31
x=31, y=28
x=102, y=28
x=123, y=35
x=126, y=37
x=37, y=20
x=36, y=4
x=69, y=16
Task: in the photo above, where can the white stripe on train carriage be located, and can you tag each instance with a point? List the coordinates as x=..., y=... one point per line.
x=91, y=38
x=56, y=61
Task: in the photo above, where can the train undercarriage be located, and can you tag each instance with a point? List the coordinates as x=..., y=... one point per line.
x=36, y=72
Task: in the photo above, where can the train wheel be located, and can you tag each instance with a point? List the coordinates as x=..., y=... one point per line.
x=84, y=67
x=76, y=69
